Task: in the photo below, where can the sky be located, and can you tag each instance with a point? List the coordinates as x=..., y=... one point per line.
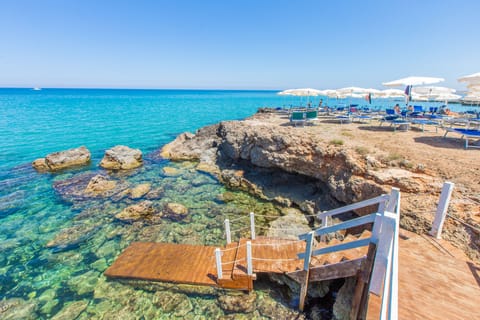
x=235, y=44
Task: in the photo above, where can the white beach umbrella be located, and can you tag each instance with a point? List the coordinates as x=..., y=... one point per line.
x=448, y=97
x=475, y=77
x=304, y=92
x=432, y=90
x=389, y=93
x=413, y=81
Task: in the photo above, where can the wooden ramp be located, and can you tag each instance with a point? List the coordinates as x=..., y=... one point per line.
x=194, y=264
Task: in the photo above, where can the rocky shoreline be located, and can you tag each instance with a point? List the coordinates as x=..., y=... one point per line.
x=308, y=169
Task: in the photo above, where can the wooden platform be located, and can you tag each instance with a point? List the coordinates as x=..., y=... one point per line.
x=436, y=281
x=193, y=264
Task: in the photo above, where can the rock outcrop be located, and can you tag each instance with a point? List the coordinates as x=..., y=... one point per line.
x=175, y=211
x=121, y=158
x=63, y=159
x=140, y=190
x=141, y=211
x=348, y=175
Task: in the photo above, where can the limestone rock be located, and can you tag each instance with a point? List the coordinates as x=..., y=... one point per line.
x=173, y=302
x=343, y=301
x=208, y=168
x=238, y=302
x=170, y=171
x=16, y=308
x=100, y=185
x=289, y=226
x=71, y=237
x=71, y=311
x=136, y=212
x=122, y=158
x=175, y=211
x=63, y=159
x=87, y=186
x=140, y=190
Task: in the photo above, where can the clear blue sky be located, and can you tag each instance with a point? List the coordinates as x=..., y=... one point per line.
x=235, y=43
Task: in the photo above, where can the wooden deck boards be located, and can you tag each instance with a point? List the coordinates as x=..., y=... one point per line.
x=194, y=264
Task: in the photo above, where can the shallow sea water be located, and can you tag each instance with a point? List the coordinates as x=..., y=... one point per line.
x=65, y=281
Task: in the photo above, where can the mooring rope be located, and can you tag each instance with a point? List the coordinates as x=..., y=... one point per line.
x=276, y=244
x=464, y=222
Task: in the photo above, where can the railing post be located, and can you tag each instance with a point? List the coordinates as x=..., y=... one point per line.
x=252, y=225
x=249, y=258
x=394, y=200
x=442, y=209
x=306, y=268
x=227, y=231
x=324, y=224
x=218, y=259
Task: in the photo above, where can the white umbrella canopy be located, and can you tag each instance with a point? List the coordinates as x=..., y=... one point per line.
x=448, y=97
x=351, y=90
x=432, y=90
x=413, y=81
x=389, y=93
x=475, y=77
x=304, y=92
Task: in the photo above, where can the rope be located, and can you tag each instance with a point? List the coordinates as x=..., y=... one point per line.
x=276, y=244
x=239, y=229
x=265, y=259
x=233, y=261
x=233, y=248
x=237, y=219
x=270, y=228
x=463, y=222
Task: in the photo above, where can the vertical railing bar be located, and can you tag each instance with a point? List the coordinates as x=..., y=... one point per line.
x=249, y=258
x=252, y=225
x=218, y=259
x=227, y=231
x=442, y=209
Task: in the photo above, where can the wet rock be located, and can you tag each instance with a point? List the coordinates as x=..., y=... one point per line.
x=40, y=165
x=289, y=226
x=88, y=186
x=16, y=308
x=122, y=158
x=141, y=211
x=140, y=190
x=99, y=185
x=172, y=302
x=271, y=309
x=71, y=237
x=175, y=211
x=84, y=283
x=343, y=301
x=63, y=159
x=238, y=302
x=71, y=311
x=171, y=172
x=208, y=168
x=155, y=194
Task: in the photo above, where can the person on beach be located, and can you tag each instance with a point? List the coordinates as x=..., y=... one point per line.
x=397, y=109
x=320, y=104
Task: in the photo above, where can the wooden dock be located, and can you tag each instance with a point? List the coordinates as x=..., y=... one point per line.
x=194, y=264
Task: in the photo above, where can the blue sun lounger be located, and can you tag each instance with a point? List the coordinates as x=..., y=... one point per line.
x=466, y=134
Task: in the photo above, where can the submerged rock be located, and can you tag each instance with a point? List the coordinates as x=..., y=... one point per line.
x=170, y=171
x=141, y=211
x=71, y=237
x=16, y=308
x=122, y=158
x=175, y=211
x=238, y=302
x=63, y=159
x=88, y=186
x=140, y=190
x=71, y=311
x=100, y=185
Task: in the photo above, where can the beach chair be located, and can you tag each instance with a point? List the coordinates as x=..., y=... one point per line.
x=297, y=117
x=466, y=134
x=417, y=111
x=311, y=116
x=390, y=115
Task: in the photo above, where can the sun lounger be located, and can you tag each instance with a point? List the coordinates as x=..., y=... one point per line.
x=423, y=122
x=466, y=134
x=311, y=116
x=297, y=117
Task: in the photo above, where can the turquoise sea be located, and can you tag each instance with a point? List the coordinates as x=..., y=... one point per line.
x=64, y=280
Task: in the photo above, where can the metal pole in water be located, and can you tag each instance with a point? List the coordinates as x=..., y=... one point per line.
x=218, y=258
x=227, y=231
x=252, y=225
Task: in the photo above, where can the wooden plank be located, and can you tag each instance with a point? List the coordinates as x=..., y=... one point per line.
x=165, y=262
x=342, y=269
